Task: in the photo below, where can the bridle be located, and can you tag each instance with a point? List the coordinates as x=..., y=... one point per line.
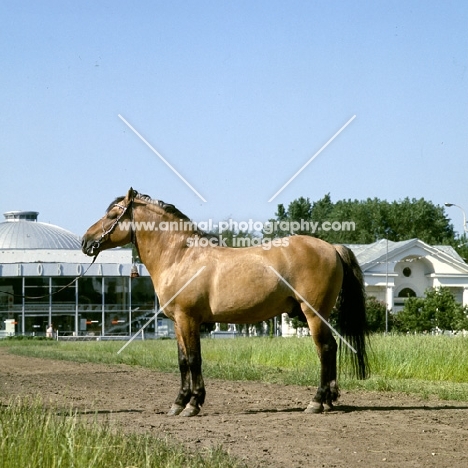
x=106, y=232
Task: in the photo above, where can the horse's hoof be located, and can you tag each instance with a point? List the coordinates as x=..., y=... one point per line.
x=175, y=410
x=190, y=411
x=327, y=407
x=314, y=408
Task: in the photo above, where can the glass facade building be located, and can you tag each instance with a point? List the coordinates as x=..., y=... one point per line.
x=92, y=305
x=38, y=265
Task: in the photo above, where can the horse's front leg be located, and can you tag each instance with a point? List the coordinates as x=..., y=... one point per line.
x=192, y=392
x=185, y=392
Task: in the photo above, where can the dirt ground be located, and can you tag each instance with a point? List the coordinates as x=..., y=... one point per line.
x=260, y=423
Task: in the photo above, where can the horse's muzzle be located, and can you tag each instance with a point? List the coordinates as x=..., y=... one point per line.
x=90, y=247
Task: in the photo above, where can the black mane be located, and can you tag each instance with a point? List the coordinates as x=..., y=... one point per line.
x=115, y=202
x=167, y=207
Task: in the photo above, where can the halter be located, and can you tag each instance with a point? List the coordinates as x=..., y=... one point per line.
x=105, y=232
x=114, y=224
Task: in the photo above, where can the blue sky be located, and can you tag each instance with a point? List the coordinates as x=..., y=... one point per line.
x=237, y=96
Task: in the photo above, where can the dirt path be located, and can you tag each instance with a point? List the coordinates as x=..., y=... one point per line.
x=260, y=423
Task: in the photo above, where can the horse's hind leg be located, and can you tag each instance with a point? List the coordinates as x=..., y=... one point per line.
x=326, y=345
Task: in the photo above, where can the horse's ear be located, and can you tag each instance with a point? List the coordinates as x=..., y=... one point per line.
x=131, y=194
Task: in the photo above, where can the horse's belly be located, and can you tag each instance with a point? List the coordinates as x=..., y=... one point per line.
x=248, y=307
x=252, y=315
x=246, y=292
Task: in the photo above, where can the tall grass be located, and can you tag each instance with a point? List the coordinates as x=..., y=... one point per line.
x=422, y=365
x=32, y=436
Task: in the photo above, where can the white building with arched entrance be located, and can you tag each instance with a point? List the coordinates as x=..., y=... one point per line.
x=394, y=271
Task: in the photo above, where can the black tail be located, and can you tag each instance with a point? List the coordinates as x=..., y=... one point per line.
x=351, y=308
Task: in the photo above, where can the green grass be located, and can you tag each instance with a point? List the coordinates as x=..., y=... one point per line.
x=422, y=365
x=33, y=436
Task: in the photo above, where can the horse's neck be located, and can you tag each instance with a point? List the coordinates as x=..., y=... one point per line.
x=159, y=247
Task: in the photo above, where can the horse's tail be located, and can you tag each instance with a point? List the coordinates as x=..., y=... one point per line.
x=351, y=312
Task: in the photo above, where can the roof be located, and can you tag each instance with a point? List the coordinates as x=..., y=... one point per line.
x=75, y=256
x=371, y=254
x=22, y=231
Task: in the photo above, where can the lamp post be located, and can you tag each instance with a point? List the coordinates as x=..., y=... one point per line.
x=465, y=224
x=387, y=233
x=386, y=289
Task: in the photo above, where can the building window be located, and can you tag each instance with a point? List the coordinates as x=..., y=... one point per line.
x=143, y=304
x=407, y=272
x=406, y=292
x=90, y=305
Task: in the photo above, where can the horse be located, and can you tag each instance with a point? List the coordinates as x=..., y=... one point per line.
x=200, y=282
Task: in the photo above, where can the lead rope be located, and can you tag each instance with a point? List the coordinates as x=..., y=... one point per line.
x=134, y=270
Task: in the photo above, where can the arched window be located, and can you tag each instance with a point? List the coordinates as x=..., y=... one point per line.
x=406, y=292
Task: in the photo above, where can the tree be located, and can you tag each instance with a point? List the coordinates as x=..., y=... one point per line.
x=376, y=312
x=373, y=219
x=461, y=246
x=413, y=317
x=460, y=320
x=437, y=310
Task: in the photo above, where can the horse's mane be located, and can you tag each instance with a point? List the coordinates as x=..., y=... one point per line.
x=115, y=202
x=167, y=207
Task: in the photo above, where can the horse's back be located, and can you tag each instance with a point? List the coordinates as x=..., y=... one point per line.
x=309, y=253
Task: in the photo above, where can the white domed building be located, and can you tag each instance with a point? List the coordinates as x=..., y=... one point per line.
x=38, y=265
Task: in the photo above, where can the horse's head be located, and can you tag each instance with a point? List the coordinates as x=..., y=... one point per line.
x=114, y=229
